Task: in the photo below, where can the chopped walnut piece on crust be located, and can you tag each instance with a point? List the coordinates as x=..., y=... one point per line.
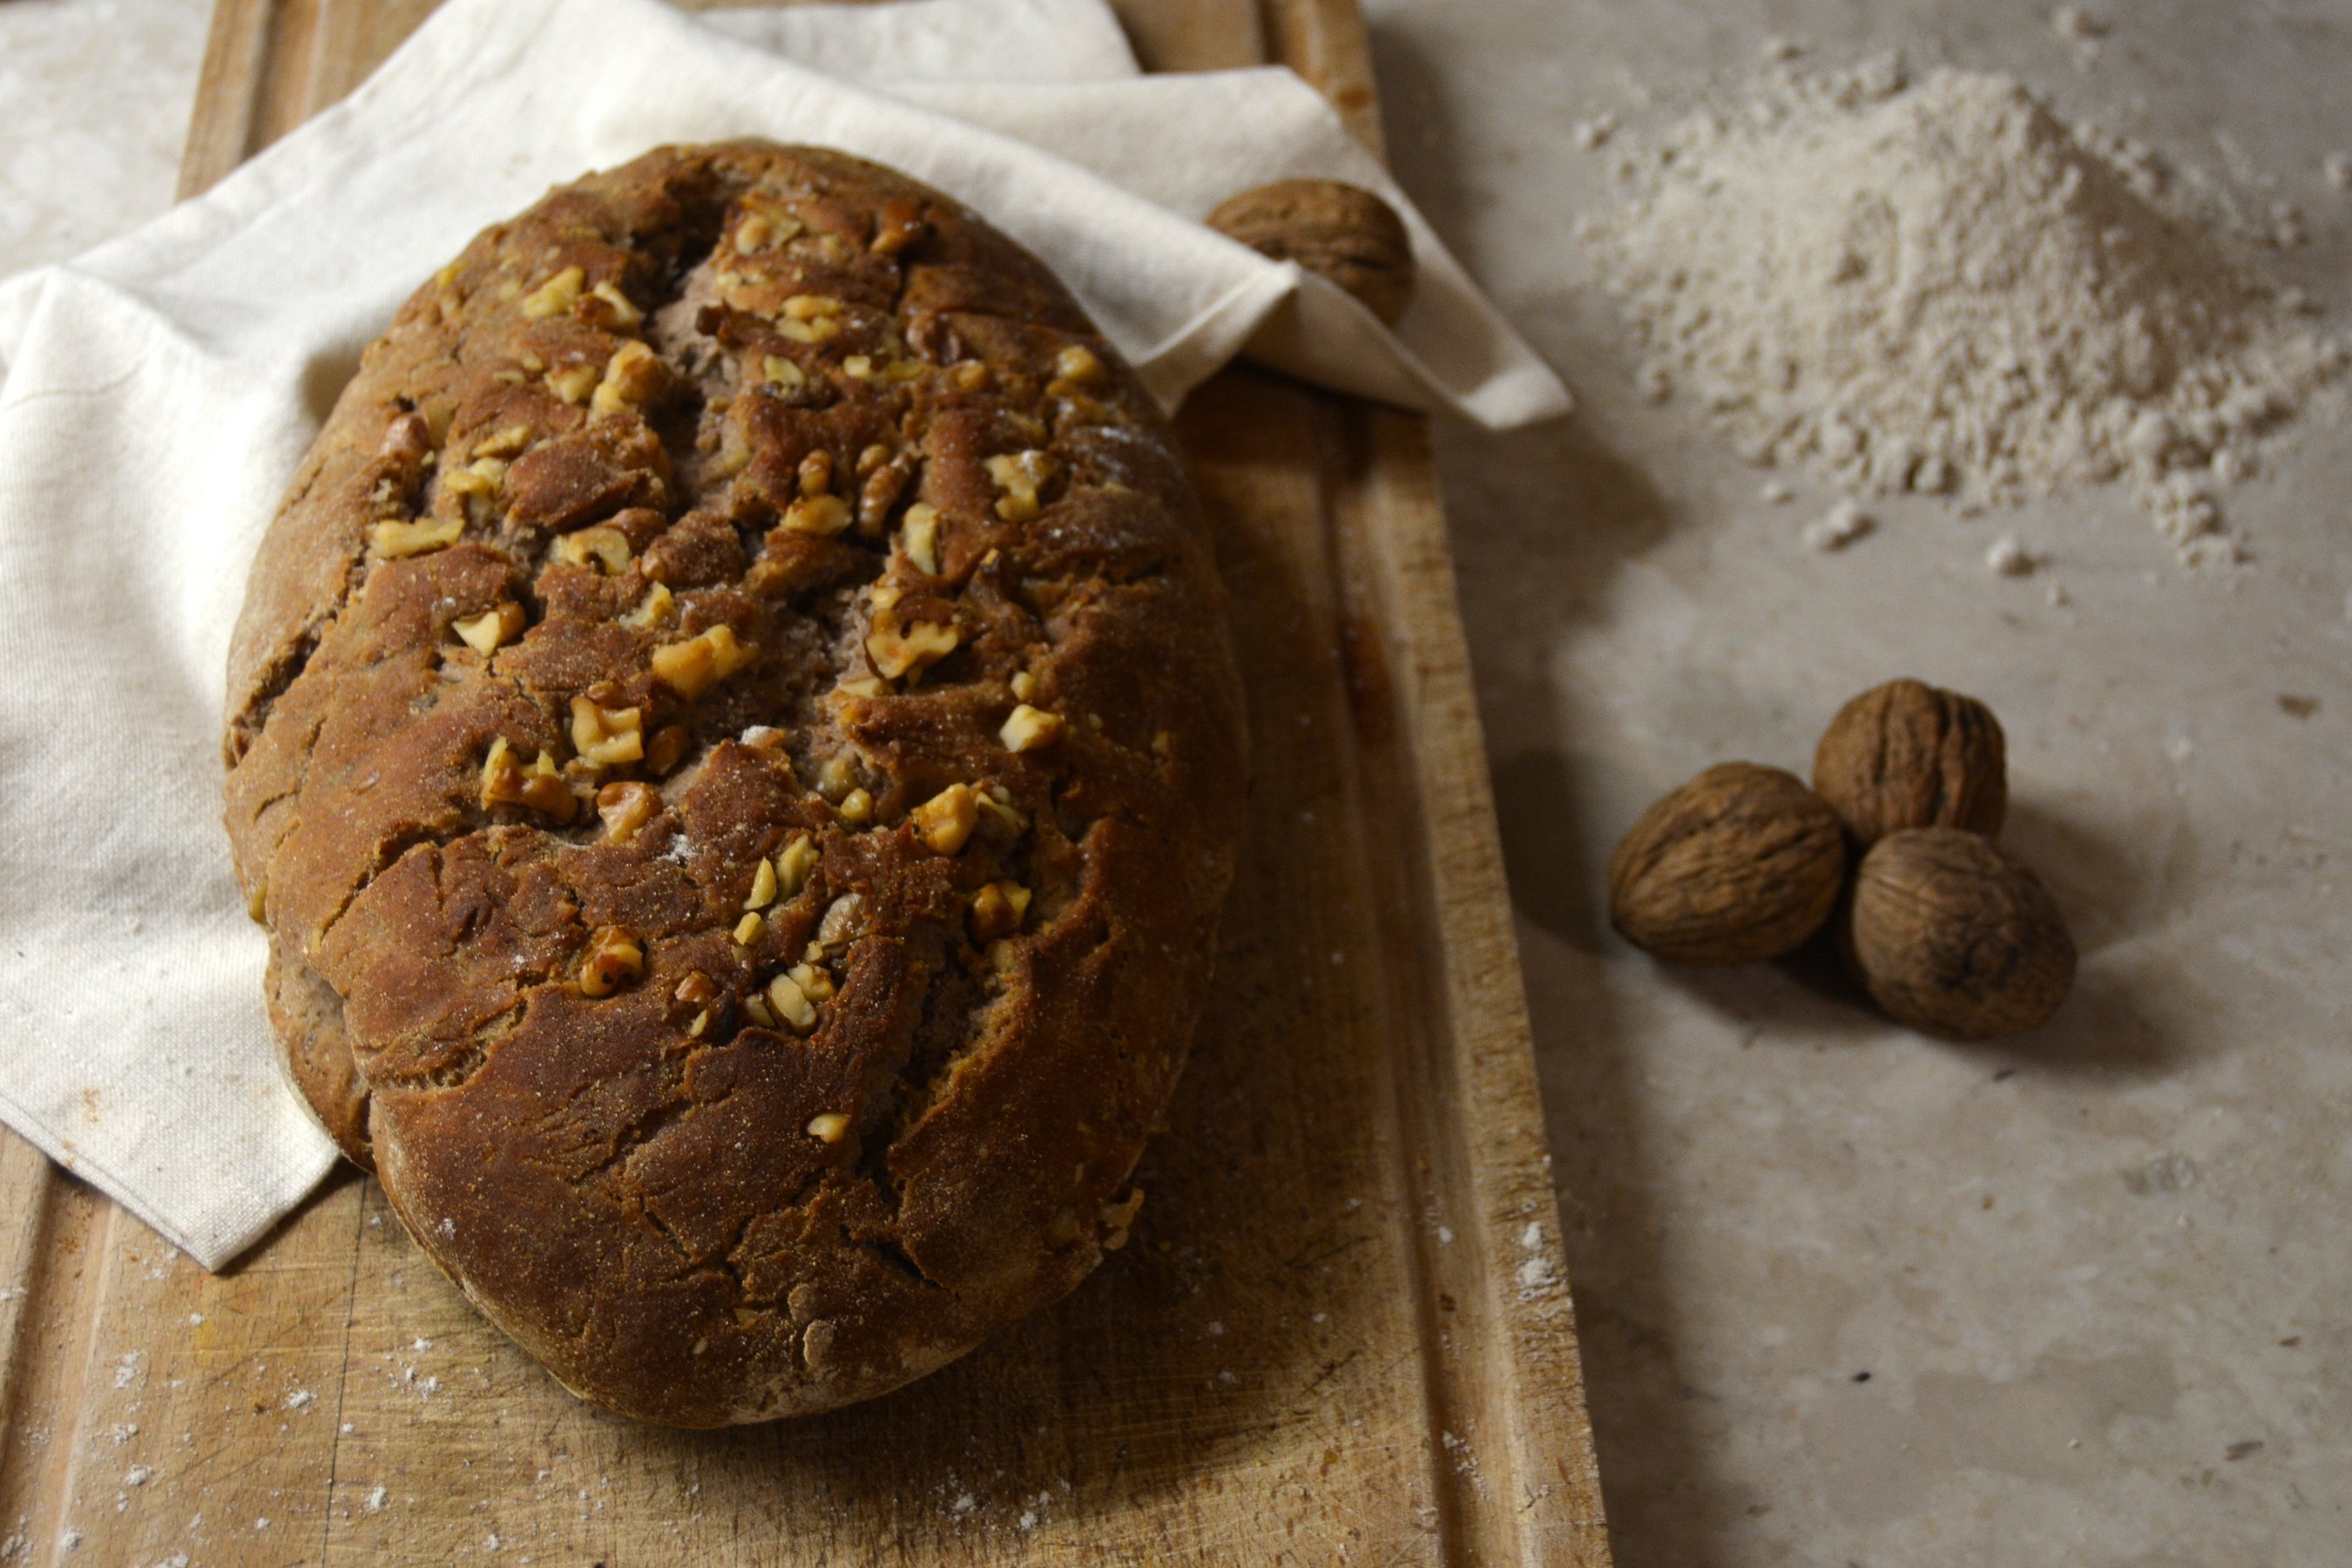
x=822, y=516
x=608, y=737
x=493, y=629
x=946, y=820
x=555, y=296
x=793, y=863
x=998, y=910
x=791, y=1004
x=540, y=786
x=899, y=651
x=919, y=536
x=693, y=667
x=626, y=807
x=615, y=958
x=394, y=541
x=667, y=748
x=1021, y=475
x=1028, y=729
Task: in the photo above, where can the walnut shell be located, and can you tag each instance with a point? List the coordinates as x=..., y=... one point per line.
x=1907, y=754
x=1343, y=232
x=1742, y=863
x=1953, y=936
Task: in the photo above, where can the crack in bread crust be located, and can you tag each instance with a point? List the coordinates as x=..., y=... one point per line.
x=734, y=737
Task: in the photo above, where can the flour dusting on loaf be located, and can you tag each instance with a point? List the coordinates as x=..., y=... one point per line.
x=735, y=743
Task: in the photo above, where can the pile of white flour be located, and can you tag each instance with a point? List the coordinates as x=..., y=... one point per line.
x=1940, y=287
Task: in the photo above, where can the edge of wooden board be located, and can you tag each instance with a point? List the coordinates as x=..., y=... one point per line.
x=1470, y=1075
x=1505, y=1356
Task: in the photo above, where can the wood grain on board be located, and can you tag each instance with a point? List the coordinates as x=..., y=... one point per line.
x=1343, y=1332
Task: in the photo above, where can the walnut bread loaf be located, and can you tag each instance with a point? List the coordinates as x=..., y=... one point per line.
x=735, y=743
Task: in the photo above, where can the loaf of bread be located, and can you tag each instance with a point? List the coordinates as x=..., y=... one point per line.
x=734, y=741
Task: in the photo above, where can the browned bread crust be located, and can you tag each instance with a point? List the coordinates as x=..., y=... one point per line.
x=734, y=740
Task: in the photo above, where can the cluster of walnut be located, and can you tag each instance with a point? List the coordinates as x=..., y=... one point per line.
x=1947, y=933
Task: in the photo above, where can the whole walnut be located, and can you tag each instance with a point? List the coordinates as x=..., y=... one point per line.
x=1954, y=937
x=1906, y=755
x=1742, y=863
x=1343, y=232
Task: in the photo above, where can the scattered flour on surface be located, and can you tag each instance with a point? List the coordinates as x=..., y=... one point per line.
x=2072, y=22
x=1940, y=287
x=2083, y=30
x=1465, y=1459
x=2009, y=558
x=1843, y=523
x=1537, y=1275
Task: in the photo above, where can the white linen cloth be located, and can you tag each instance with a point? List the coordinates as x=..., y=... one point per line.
x=161, y=389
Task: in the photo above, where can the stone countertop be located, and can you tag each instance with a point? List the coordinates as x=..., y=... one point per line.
x=1848, y=1296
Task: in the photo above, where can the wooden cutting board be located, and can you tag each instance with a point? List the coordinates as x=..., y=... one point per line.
x=1343, y=1331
